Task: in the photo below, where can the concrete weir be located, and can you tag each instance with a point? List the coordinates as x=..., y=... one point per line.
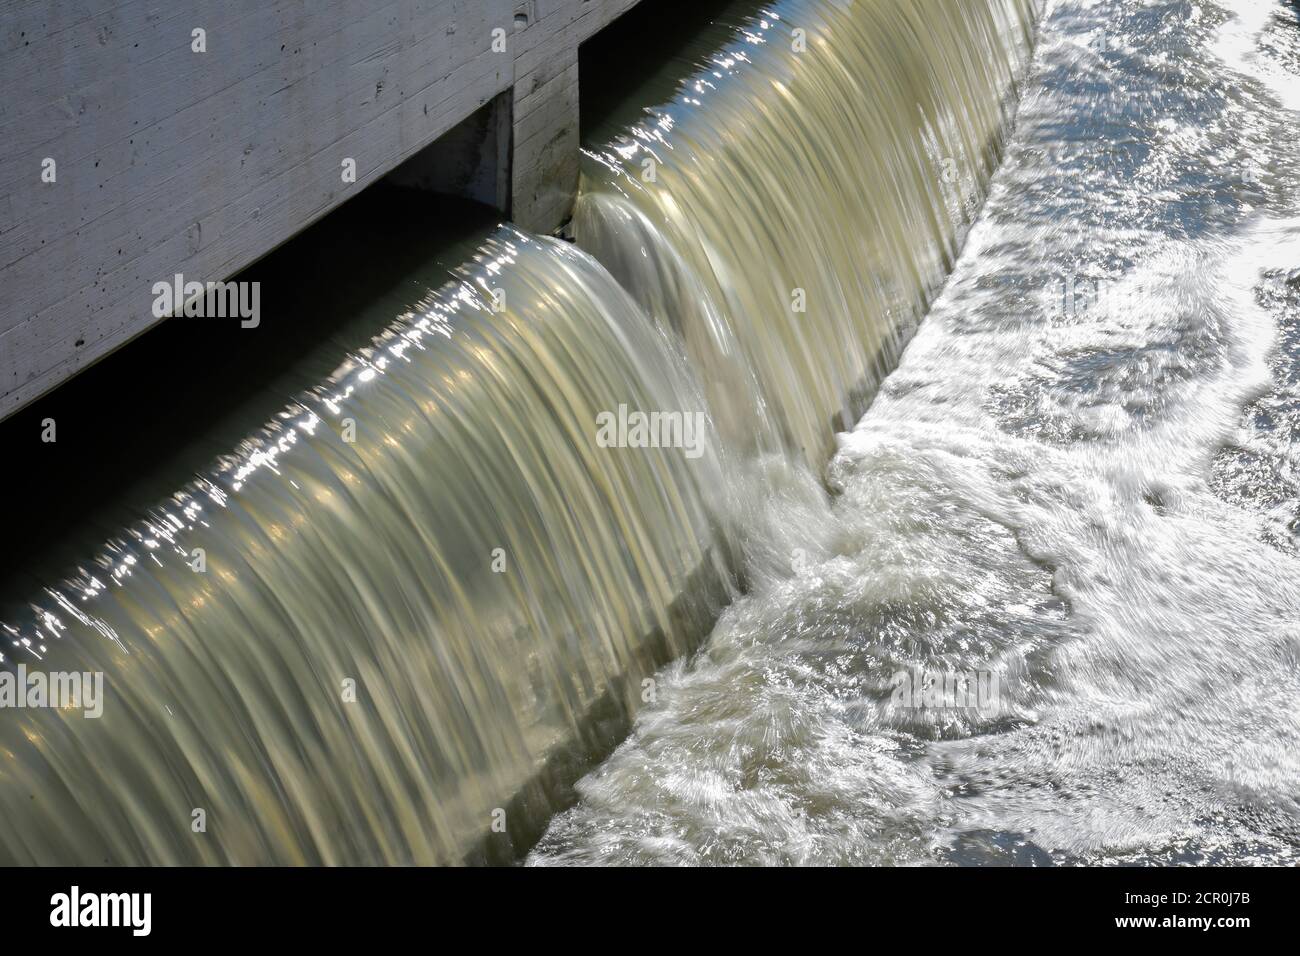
x=144, y=141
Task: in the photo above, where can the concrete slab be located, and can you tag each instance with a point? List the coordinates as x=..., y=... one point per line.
x=141, y=139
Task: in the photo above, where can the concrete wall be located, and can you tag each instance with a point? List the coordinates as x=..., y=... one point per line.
x=167, y=160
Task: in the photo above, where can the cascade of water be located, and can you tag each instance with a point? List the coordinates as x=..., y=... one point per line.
x=371, y=625
x=404, y=611
x=794, y=209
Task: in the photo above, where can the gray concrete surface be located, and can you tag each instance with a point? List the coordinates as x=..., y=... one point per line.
x=170, y=159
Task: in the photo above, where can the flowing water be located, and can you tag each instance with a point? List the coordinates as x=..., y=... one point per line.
x=395, y=621
x=1077, y=491
x=413, y=605
x=792, y=211
x=311, y=644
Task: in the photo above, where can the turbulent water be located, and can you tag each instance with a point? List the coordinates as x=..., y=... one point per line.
x=1040, y=606
x=393, y=623
x=1079, y=487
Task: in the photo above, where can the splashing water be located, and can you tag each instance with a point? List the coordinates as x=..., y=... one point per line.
x=1057, y=487
x=429, y=590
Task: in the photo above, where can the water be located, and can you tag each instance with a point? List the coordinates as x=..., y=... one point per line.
x=791, y=212
x=137, y=425
x=1073, y=494
x=426, y=593
x=1080, y=480
x=352, y=647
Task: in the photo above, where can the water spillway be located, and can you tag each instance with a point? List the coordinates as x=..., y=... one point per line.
x=313, y=639
x=1049, y=615
x=807, y=192
x=393, y=624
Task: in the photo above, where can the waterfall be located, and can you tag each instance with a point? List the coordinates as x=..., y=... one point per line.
x=794, y=210
x=394, y=624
